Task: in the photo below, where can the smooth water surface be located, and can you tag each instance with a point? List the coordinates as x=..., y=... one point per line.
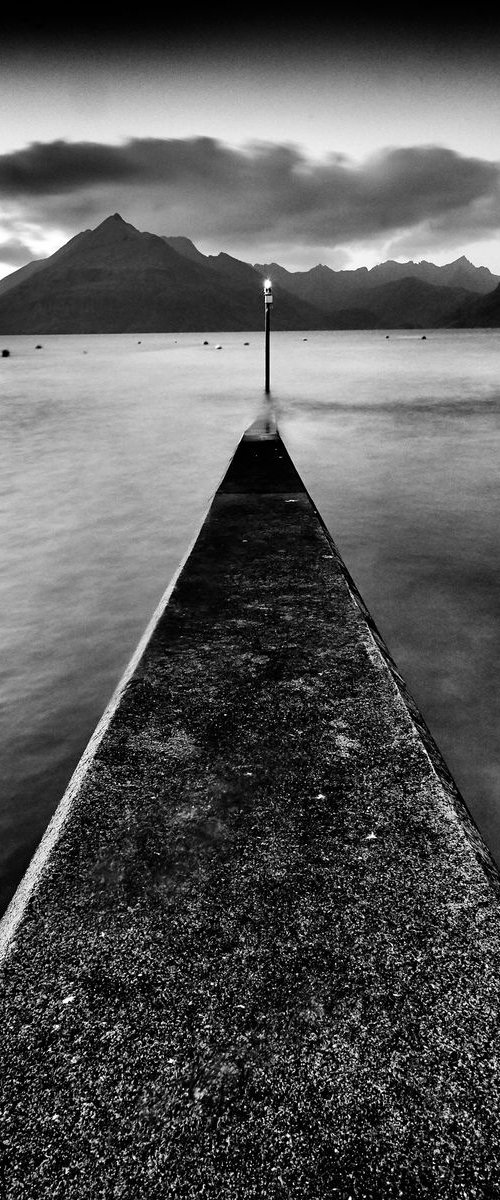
x=111, y=448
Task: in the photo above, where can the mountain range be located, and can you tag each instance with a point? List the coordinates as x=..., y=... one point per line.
x=115, y=279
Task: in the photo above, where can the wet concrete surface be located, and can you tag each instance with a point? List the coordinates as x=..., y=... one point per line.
x=262, y=958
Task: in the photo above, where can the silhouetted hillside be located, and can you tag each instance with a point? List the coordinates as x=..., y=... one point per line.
x=479, y=314
x=115, y=279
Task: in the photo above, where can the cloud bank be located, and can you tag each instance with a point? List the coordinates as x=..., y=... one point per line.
x=255, y=199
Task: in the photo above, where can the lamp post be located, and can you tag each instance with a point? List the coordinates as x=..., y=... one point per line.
x=268, y=299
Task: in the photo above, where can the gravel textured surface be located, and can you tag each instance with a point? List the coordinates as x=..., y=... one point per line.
x=262, y=958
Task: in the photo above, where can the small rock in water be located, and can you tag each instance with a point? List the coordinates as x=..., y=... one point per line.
x=5, y=353
x=206, y=343
x=39, y=347
x=423, y=338
x=246, y=343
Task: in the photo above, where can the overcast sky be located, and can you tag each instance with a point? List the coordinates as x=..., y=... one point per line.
x=342, y=143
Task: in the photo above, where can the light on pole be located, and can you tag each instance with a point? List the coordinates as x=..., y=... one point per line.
x=268, y=299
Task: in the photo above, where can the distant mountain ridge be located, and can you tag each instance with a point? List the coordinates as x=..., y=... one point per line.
x=116, y=279
x=332, y=286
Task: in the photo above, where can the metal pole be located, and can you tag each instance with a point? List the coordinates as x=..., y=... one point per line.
x=268, y=347
x=268, y=299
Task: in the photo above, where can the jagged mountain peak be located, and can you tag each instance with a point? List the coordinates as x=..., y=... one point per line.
x=115, y=278
x=115, y=226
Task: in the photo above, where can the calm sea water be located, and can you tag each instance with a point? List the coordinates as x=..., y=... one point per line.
x=110, y=451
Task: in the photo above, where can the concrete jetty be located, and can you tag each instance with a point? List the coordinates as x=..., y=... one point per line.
x=257, y=954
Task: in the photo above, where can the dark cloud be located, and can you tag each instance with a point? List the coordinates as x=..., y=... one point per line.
x=263, y=193
x=60, y=166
